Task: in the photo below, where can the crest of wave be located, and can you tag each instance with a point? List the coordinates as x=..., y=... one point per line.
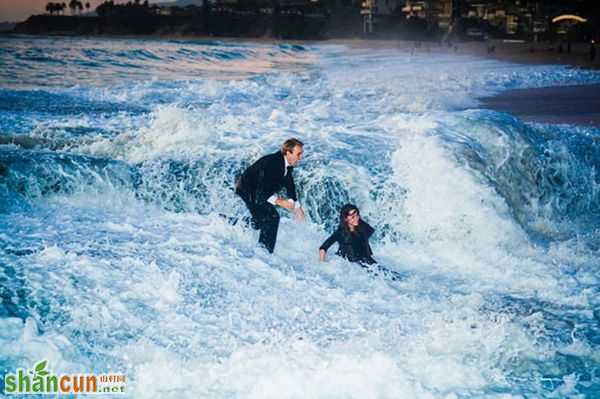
x=172, y=131
x=452, y=216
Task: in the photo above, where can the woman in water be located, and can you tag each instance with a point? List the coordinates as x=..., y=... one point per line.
x=352, y=235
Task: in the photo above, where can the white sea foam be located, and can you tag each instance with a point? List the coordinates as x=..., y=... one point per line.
x=142, y=275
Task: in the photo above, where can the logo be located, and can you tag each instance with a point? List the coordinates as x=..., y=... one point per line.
x=39, y=380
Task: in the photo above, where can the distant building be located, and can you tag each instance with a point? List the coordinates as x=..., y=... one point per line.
x=416, y=9
x=387, y=7
x=443, y=13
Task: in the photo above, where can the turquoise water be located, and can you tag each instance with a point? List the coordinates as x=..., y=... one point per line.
x=114, y=255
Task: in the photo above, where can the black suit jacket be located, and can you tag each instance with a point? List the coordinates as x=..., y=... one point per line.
x=264, y=178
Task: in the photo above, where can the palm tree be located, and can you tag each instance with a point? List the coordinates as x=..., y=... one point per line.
x=73, y=6
x=53, y=8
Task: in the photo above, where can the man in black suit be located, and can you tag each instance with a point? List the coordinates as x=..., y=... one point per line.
x=259, y=184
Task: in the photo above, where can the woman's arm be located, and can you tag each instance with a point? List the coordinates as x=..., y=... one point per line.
x=325, y=246
x=322, y=255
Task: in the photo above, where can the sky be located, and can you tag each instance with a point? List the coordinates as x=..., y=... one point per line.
x=20, y=10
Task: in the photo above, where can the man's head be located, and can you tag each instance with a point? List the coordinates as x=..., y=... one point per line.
x=292, y=150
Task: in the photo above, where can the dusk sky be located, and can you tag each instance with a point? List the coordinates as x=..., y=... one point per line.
x=19, y=10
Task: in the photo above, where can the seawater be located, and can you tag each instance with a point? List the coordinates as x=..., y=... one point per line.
x=115, y=255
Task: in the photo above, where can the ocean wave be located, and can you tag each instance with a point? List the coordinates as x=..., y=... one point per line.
x=119, y=251
x=28, y=175
x=547, y=175
x=161, y=58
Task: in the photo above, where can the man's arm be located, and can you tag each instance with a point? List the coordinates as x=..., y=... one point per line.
x=290, y=187
x=264, y=194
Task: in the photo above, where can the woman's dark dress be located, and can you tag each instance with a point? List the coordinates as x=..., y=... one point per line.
x=353, y=246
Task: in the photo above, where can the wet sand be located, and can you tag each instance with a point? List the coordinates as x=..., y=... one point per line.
x=535, y=53
x=511, y=51
x=577, y=105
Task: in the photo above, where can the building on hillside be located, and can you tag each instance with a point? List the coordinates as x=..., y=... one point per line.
x=416, y=9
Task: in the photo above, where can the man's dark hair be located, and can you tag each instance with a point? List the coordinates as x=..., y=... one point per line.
x=290, y=144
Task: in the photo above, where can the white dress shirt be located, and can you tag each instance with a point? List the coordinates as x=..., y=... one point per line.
x=274, y=197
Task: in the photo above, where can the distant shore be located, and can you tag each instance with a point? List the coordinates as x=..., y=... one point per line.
x=519, y=52
x=574, y=105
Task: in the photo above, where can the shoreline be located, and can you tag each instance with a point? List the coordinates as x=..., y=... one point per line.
x=573, y=105
x=519, y=52
x=570, y=104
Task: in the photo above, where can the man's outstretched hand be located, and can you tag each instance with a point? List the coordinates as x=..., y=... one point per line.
x=291, y=206
x=284, y=203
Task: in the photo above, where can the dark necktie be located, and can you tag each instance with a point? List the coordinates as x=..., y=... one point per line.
x=289, y=170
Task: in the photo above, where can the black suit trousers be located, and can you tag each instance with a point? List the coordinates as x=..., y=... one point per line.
x=266, y=219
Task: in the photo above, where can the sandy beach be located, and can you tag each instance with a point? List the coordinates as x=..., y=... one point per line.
x=513, y=51
x=577, y=105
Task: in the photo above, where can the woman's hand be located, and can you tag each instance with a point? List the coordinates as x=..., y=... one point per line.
x=299, y=214
x=322, y=255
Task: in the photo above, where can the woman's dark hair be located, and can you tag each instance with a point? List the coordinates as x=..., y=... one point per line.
x=346, y=209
